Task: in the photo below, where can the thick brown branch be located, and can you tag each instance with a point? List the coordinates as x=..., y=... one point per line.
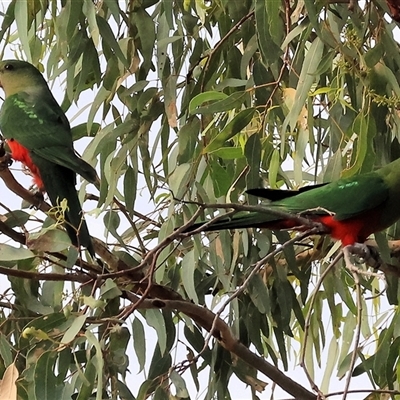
x=11, y=233
x=18, y=273
x=205, y=318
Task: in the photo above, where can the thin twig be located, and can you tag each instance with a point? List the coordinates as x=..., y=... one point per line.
x=369, y=391
x=91, y=196
x=48, y=276
x=124, y=211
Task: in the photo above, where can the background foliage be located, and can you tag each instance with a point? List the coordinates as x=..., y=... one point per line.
x=188, y=103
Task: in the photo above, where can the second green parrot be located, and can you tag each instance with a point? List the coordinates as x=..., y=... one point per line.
x=350, y=209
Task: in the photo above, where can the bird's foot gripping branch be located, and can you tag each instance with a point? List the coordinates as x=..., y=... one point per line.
x=369, y=254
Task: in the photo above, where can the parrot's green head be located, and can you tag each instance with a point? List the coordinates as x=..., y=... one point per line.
x=17, y=76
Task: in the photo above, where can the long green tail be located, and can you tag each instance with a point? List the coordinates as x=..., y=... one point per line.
x=256, y=219
x=59, y=183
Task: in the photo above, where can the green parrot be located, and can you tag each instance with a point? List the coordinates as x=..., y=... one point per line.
x=39, y=135
x=350, y=208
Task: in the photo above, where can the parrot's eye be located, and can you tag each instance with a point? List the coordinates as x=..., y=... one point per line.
x=9, y=67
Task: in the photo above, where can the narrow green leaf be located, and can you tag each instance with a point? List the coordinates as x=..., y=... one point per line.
x=348, y=336
x=47, y=386
x=231, y=82
x=171, y=111
x=252, y=151
x=108, y=36
x=156, y=320
x=81, y=130
x=330, y=365
x=391, y=363
x=273, y=168
x=48, y=322
x=98, y=362
x=180, y=385
x=49, y=239
x=111, y=222
x=139, y=342
x=382, y=354
x=270, y=50
x=258, y=293
x=228, y=153
x=373, y=55
x=221, y=178
x=16, y=218
x=313, y=13
x=130, y=187
x=89, y=9
x=188, y=267
x=52, y=294
x=146, y=32
x=203, y=98
x=110, y=290
x=281, y=346
x=5, y=350
x=235, y=126
x=10, y=253
x=231, y=102
x=21, y=19
x=178, y=180
x=306, y=79
x=7, y=19
x=364, y=127
x=74, y=329
x=88, y=381
x=160, y=364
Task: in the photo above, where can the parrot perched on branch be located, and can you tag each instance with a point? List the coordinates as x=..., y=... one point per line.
x=350, y=209
x=39, y=135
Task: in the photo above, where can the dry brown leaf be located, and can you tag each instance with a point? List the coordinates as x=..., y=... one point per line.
x=8, y=387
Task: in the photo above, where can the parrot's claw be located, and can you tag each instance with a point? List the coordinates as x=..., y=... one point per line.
x=5, y=161
x=40, y=199
x=369, y=254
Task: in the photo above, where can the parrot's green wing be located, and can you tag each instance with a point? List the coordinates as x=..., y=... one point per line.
x=46, y=131
x=67, y=158
x=345, y=198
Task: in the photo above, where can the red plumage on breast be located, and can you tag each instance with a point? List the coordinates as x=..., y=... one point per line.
x=352, y=230
x=21, y=153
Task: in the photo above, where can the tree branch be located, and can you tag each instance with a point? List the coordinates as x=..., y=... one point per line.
x=221, y=331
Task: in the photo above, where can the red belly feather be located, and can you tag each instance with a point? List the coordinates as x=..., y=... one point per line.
x=350, y=231
x=21, y=153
